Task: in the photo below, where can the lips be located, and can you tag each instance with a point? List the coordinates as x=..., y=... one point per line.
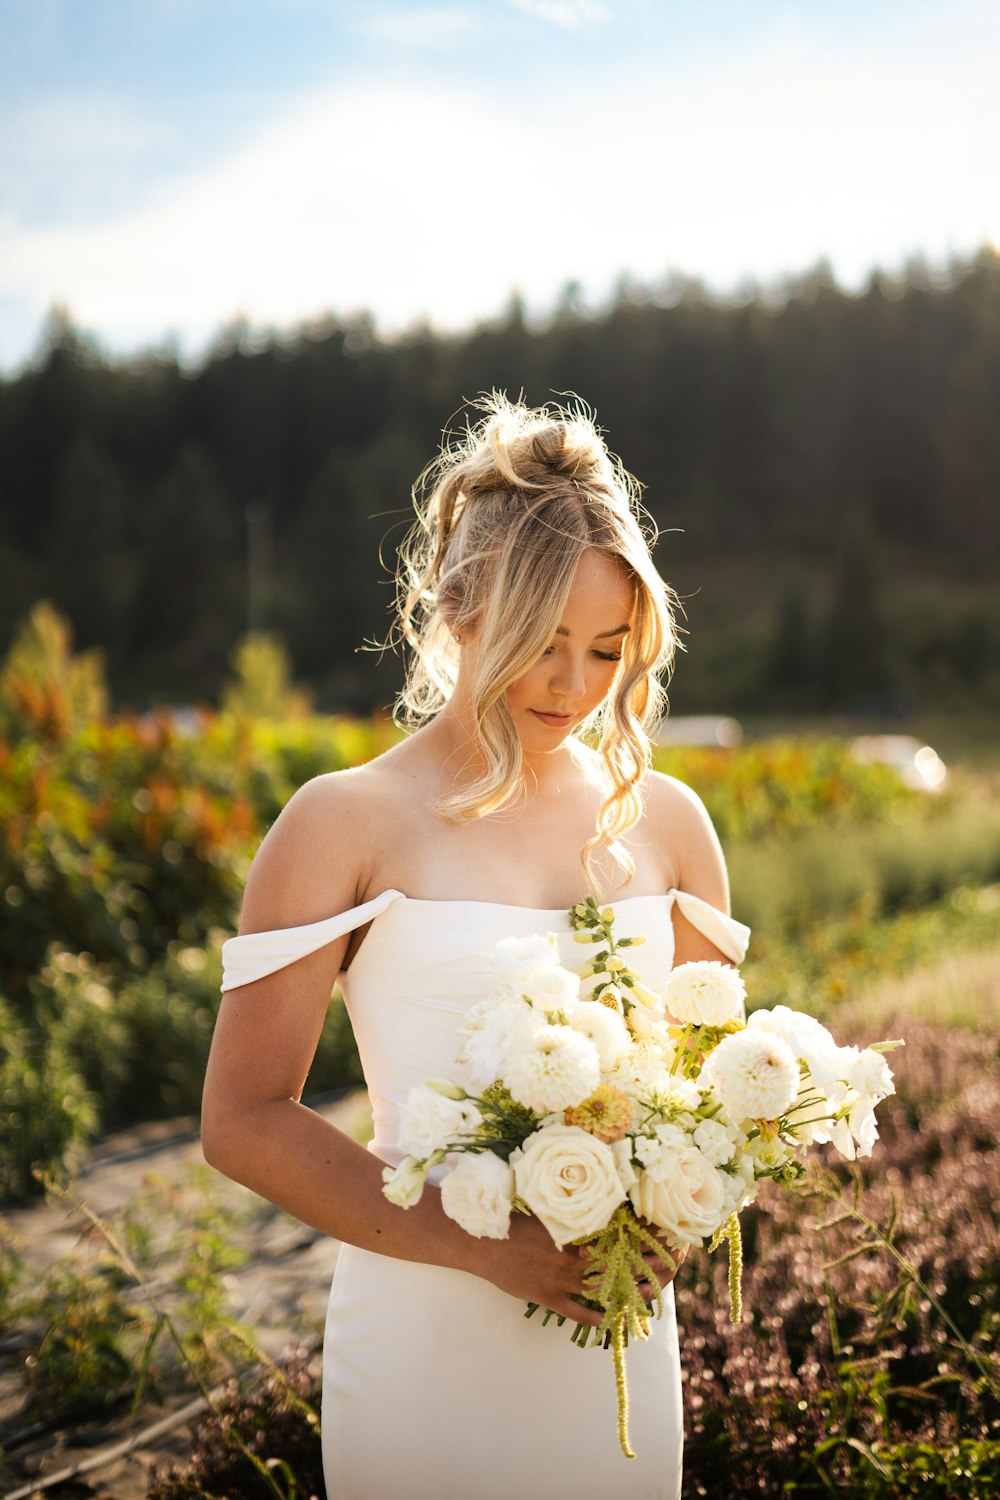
x=557, y=721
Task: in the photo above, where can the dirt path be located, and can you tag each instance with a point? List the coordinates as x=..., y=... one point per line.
x=280, y=1293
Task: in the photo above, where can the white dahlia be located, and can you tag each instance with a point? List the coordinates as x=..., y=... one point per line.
x=755, y=1075
x=556, y=1068
x=706, y=993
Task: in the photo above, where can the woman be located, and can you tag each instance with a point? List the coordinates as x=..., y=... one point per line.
x=534, y=614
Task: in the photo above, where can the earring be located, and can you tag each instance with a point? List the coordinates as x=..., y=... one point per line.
x=458, y=638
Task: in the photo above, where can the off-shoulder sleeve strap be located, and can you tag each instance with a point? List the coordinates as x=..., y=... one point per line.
x=255, y=954
x=728, y=935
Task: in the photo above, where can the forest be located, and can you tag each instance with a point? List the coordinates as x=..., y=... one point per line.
x=823, y=467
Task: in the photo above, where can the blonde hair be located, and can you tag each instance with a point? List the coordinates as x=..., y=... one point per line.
x=503, y=515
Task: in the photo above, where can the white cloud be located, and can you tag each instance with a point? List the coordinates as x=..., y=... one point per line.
x=569, y=13
x=419, y=201
x=426, y=28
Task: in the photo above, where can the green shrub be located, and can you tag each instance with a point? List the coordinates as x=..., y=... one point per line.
x=47, y=1113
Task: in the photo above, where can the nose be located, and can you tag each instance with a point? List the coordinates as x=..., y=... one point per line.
x=568, y=680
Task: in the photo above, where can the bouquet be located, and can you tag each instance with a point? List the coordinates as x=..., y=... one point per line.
x=623, y=1119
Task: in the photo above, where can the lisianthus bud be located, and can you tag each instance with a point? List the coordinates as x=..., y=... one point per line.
x=447, y=1088
x=608, y=914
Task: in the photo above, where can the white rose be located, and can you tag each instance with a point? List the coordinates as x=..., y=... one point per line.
x=478, y=1194
x=404, y=1185
x=428, y=1121
x=715, y=1141
x=604, y=1027
x=555, y=1069
x=688, y=1202
x=755, y=1075
x=570, y=1181
x=706, y=993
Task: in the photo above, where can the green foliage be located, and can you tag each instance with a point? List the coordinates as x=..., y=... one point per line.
x=47, y=1113
x=261, y=685
x=781, y=784
x=45, y=690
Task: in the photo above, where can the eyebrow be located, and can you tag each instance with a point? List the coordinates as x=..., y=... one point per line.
x=603, y=635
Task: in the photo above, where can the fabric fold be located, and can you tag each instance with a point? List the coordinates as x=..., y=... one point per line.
x=255, y=954
x=728, y=935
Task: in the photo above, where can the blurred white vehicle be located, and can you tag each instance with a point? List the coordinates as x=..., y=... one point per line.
x=919, y=765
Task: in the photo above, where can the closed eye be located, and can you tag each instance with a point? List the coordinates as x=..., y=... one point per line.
x=601, y=655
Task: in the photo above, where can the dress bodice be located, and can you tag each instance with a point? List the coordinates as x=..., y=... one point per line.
x=423, y=964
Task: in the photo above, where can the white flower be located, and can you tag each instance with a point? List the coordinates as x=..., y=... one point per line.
x=716, y=1141
x=515, y=959
x=768, y=1155
x=489, y=1030
x=685, y=1198
x=604, y=1027
x=868, y=1079
x=706, y=993
x=428, y=1121
x=656, y=1152
x=404, y=1185
x=477, y=1193
x=650, y=1026
x=554, y=1069
x=755, y=1075
x=570, y=1181
x=550, y=988
x=641, y=1072
x=622, y=1153
x=806, y=1037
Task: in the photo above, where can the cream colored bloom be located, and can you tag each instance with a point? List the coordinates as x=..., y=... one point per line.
x=404, y=1185
x=428, y=1121
x=685, y=1198
x=552, y=1070
x=569, y=1180
x=516, y=959
x=478, y=1193
x=602, y=1026
x=706, y=993
x=491, y=1028
x=755, y=1075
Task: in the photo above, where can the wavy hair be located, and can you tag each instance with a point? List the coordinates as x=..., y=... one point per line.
x=504, y=513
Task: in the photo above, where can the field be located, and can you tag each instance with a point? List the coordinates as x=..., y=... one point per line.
x=865, y=1363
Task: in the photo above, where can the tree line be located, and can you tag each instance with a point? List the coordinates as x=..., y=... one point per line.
x=823, y=468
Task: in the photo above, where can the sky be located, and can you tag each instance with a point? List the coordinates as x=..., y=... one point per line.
x=169, y=166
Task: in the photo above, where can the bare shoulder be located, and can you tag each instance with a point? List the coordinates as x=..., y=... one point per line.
x=314, y=859
x=680, y=819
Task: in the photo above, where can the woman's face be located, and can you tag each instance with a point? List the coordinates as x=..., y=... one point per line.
x=575, y=672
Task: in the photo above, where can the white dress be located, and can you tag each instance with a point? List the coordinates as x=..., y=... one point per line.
x=435, y=1386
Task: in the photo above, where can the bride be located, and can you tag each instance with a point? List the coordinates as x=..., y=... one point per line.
x=538, y=629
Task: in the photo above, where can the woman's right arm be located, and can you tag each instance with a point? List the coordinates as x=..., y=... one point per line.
x=255, y=1129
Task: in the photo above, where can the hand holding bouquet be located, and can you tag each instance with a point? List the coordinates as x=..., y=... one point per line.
x=622, y=1119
